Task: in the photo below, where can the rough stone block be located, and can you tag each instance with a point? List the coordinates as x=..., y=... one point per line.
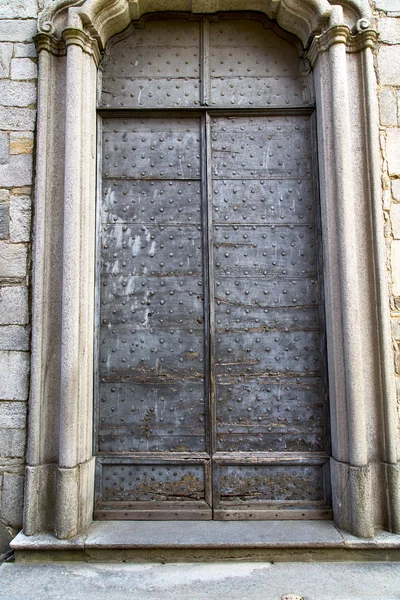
x=14, y=305
x=387, y=5
x=17, y=93
x=25, y=50
x=14, y=369
x=4, y=225
x=17, y=172
x=14, y=337
x=12, y=499
x=387, y=107
x=23, y=68
x=389, y=29
x=6, y=51
x=18, y=9
x=12, y=260
x=13, y=415
x=21, y=142
x=388, y=65
x=12, y=442
x=395, y=323
x=393, y=151
x=5, y=538
x=17, y=31
x=20, y=219
x=17, y=119
x=395, y=219
x=4, y=147
x=395, y=260
x=4, y=195
x=396, y=189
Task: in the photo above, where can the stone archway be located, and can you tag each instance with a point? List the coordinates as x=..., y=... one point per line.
x=338, y=42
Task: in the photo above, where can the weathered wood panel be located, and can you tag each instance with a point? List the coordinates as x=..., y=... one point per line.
x=156, y=66
x=269, y=391
x=152, y=391
x=212, y=385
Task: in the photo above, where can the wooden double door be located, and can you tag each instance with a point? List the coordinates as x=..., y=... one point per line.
x=210, y=377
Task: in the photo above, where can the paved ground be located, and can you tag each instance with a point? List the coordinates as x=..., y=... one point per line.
x=218, y=581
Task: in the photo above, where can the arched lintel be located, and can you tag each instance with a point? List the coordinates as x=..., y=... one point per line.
x=102, y=19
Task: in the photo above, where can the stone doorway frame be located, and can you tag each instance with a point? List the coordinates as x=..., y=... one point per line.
x=338, y=42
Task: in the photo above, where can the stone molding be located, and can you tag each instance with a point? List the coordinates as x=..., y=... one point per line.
x=364, y=423
x=340, y=34
x=104, y=18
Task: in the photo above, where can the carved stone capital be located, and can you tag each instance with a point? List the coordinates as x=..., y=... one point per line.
x=70, y=36
x=49, y=43
x=341, y=34
x=76, y=37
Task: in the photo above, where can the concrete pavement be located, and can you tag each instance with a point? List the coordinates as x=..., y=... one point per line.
x=189, y=581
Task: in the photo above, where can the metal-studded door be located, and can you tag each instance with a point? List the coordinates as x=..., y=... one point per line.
x=211, y=393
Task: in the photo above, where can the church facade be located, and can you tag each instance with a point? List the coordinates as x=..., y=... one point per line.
x=199, y=275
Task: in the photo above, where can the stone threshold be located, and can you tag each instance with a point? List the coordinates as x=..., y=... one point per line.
x=169, y=541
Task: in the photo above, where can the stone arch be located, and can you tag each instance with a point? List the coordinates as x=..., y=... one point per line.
x=338, y=40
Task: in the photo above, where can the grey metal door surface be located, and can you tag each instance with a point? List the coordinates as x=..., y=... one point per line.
x=211, y=377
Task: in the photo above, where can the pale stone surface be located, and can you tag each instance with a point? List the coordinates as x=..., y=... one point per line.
x=17, y=93
x=395, y=218
x=14, y=368
x=389, y=30
x=12, y=442
x=396, y=328
x=17, y=31
x=183, y=534
x=395, y=256
x=4, y=195
x=17, y=172
x=25, y=50
x=6, y=51
x=13, y=415
x=4, y=146
x=388, y=5
x=23, y=68
x=396, y=189
x=4, y=221
x=20, y=219
x=18, y=9
x=388, y=65
x=387, y=107
x=12, y=499
x=20, y=119
x=393, y=151
x=5, y=537
x=14, y=337
x=21, y=142
x=14, y=305
x=12, y=260
x=212, y=581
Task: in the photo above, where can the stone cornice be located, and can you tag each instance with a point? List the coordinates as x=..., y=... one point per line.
x=341, y=34
x=70, y=36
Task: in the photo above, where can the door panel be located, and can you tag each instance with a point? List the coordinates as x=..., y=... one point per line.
x=155, y=65
x=152, y=390
x=251, y=65
x=211, y=397
x=270, y=395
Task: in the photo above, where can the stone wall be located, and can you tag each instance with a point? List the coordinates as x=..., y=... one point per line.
x=17, y=123
x=388, y=76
